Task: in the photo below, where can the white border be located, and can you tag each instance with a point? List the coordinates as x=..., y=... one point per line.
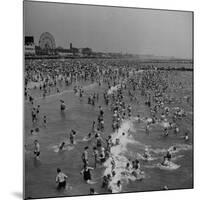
x=11, y=96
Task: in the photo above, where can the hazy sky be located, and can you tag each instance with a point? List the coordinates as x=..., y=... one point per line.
x=111, y=29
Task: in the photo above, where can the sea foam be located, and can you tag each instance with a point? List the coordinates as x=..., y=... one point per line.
x=118, y=154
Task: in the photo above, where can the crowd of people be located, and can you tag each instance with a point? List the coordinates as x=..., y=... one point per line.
x=125, y=87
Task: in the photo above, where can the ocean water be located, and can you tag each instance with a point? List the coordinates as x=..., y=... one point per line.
x=40, y=175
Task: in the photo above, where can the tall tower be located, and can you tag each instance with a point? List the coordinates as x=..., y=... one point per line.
x=71, y=46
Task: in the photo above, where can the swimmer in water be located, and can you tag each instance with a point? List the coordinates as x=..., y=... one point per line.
x=186, y=137
x=33, y=114
x=117, y=141
x=37, y=129
x=62, y=105
x=147, y=129
x=165, y=161
x=109, y=186
x=92, y=191
x=118, y=186
x=96, y=153
x=136, y=168
x=61, y=147
x=133, y=164
x=85, y=156
x=168, y=155
x=102, y=155
x=86, y=171
x=32, y=132
x=38, y=110
x=72, y=136
x=88, y=137
x=45, y=121
x=128, y=168
x=137, y=164
x=93, y=126
x=99, y=140
x=166, y=132
x=36, y=149
x=113, y=173
x=146, y=154
x=165, y=187
x=113, y=164
x=169, y=152
x=105, y=182
x=176, y=130
x=138, y=118
x=61, y=179
x=109, y=143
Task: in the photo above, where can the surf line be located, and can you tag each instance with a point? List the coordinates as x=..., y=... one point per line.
x=88, y=87
x=118, y=153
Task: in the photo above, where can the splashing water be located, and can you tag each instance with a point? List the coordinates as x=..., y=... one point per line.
x=113, y=89
x=170, y=166
x=118, y=153
x=179, y=147
x=141, y=157
x=56, y=148
x=67, y=147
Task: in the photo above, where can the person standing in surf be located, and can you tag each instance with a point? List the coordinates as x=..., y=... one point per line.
x=62, y=105
x=36, y=149
x=147, y=129
x=72, y=136
x=86, y=171
x=93, y=126
x=61, y=179
x=98, y=141
x=85, y=156
x=61, y=147
x=37, y=111
x=118, y=187
x=96, y=153
x=92, y=191
x=45, y=121
x=186, y=137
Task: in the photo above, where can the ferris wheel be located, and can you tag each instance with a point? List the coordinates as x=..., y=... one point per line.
x=47, y=41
